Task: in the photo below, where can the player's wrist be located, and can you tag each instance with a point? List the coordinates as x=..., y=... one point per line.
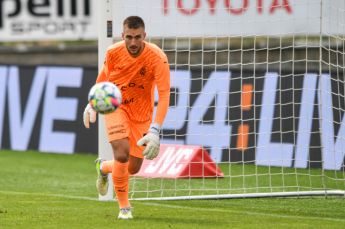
x=155, y=128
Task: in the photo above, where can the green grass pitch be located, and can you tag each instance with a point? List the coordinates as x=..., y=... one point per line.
x=41, y=190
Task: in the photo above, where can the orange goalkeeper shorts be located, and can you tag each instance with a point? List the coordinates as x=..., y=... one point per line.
x=119, y=126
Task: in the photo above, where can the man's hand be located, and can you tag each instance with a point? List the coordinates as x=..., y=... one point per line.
x=151, y=140
x=89, y=115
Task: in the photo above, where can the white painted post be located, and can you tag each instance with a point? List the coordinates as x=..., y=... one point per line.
x=105, y=38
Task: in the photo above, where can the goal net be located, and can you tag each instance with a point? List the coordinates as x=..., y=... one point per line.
x=259, y=85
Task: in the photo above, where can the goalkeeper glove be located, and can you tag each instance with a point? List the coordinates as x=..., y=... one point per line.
x=151, y=141
x=89, y=115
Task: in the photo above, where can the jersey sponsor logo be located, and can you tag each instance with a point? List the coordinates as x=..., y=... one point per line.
x=132, y=85
x=119, y=67
x=142, y=71
x=128, y=101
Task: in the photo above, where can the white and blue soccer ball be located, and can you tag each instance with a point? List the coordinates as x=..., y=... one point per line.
x=105, y=97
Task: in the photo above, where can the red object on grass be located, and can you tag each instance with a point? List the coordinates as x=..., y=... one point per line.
x=180, y=161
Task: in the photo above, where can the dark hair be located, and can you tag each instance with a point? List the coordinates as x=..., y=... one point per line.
x=134, y=22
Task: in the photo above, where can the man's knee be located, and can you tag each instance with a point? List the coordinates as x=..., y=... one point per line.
x=121, y=150
x=123, y=158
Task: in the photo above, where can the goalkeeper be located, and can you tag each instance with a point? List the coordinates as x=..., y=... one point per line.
x=136, y=67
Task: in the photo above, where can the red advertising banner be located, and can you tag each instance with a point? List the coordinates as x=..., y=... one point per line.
x=180, y=161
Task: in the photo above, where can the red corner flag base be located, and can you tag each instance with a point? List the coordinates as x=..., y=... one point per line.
x=180, y=161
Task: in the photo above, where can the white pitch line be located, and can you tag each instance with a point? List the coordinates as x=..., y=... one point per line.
x=241, y=212
x=180, y=206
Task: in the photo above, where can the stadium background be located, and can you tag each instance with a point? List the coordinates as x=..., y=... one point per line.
x=248, y=82
x=28, y=48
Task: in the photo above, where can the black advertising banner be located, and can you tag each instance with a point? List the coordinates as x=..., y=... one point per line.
x=41, y=108
x=289, y=119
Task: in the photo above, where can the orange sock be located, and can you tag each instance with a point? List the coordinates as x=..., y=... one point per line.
x=107, y=166
x=120, y=179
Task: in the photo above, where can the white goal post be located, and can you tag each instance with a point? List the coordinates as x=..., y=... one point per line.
x=105, y=39
x=259, y=84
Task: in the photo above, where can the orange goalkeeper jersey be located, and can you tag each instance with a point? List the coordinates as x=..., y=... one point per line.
x=136, y=77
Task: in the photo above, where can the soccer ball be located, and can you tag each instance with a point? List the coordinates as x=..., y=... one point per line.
x=105, y=97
